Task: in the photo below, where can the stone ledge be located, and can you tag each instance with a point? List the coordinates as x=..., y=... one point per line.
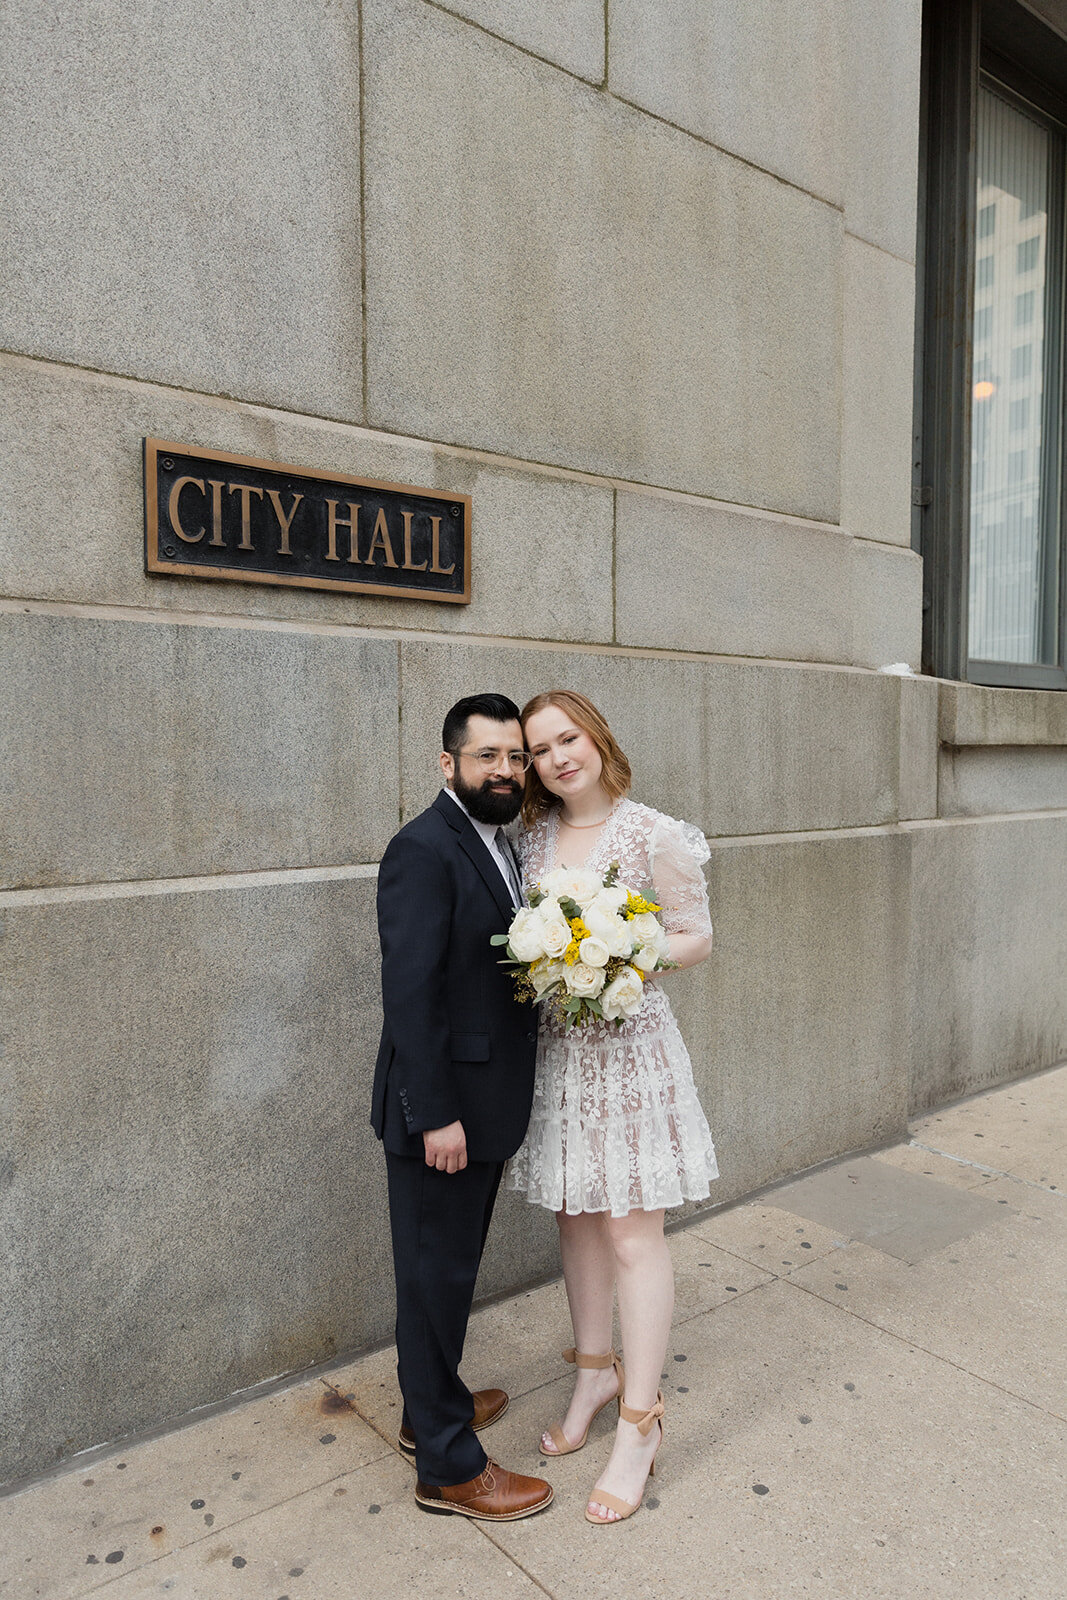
x=971, y=714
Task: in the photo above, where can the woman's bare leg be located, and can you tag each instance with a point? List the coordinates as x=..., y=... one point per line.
x=645, y=1280
x=589, y=1275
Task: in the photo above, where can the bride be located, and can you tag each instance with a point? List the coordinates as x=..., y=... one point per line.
x=616, y=1134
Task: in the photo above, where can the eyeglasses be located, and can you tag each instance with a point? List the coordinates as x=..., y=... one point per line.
x=518, y=760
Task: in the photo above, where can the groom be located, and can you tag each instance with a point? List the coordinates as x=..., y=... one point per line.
x=452, y=1089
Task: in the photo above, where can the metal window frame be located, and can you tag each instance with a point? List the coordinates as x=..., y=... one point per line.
x=961, y=42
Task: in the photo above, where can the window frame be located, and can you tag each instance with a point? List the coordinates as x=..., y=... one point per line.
x=963, y=42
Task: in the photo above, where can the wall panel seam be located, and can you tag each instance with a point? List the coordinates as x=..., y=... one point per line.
x=905, y=261
x=377, y=434
x=132, y=889
x=16, y=605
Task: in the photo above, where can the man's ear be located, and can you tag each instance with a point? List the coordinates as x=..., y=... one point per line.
x=448, y=765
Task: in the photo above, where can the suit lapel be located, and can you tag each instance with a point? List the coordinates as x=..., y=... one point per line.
x=477, y=853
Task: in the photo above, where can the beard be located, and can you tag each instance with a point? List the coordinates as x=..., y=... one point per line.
x=487, y=805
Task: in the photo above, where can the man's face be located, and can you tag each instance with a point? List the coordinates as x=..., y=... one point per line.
x=485, y=774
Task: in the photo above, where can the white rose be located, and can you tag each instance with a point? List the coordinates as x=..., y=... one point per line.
x=645, y=928
x=544, y=975
x=622, y=997
x=613, y=930
x=525, y=938
x=645, y=959
x=594, y=952
x=610, y=900
x=575, y=883
x=584, y=981
x=555, y=930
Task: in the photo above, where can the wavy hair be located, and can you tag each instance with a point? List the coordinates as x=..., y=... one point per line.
x=616, y=775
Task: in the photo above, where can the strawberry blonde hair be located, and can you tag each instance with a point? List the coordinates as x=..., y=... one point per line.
x=615, y=777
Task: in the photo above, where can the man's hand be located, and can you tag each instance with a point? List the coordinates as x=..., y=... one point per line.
x=446, y=1148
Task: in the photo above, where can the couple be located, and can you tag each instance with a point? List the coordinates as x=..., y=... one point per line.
x=607, y=1117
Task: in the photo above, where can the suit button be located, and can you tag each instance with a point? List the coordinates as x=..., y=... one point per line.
x=531, y=1037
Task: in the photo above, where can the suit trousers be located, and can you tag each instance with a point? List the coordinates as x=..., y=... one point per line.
x=439, y=1223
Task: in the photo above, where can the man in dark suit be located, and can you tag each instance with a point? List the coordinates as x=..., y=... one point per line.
x=452, y=1090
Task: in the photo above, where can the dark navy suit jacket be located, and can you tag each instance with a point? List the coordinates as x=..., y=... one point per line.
x=456, y=1045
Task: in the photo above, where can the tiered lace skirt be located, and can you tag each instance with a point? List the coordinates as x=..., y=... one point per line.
x=616, y=1124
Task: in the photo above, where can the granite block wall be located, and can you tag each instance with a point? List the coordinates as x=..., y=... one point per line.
x=549, y=257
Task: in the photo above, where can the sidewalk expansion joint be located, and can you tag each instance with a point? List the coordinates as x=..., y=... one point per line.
x=506, y=1553
x=935, y=1355
x=994, y=1172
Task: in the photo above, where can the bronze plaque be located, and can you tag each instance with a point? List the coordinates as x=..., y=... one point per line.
x=211, y=515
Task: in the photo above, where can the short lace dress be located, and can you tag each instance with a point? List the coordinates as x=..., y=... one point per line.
x=616, y=1124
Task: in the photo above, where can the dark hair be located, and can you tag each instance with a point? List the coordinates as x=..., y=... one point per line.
x=615, y=777
x=497, y=707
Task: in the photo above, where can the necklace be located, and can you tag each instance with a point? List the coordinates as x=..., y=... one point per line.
x=579, y=825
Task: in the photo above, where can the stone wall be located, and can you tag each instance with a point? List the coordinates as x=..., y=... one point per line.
x=562, y=258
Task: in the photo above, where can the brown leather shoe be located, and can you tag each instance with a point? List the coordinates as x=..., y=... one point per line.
x=495, y=1495
x=489, y=1406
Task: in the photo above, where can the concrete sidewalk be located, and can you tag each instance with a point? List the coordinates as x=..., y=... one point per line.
x=866, y=1396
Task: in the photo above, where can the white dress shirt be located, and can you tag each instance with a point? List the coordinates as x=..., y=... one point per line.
x=487, y=833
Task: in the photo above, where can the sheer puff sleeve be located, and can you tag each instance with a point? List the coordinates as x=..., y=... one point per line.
x=677, y=853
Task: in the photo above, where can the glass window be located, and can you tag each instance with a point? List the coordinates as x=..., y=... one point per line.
x=983, y=272
x=1026, y=254
x=1021, y=361
x=1014, y=515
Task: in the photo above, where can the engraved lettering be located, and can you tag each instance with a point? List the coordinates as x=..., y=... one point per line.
x=409, y=565
x=333, y=522
x=172, y=508
x=435, y=524
x=285, y=523
x=381, y=541
x=246, y=491
x=216, y=488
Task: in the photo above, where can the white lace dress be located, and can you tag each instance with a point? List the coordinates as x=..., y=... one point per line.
x=616, y=1124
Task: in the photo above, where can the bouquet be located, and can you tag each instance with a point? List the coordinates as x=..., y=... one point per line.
x=586, y=944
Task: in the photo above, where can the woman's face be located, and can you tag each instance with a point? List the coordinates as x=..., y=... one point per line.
x=565, y=758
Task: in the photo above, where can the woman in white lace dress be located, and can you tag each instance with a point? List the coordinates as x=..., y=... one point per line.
x=617, y=1133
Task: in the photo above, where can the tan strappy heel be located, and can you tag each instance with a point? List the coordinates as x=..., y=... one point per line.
x=579, y=1358
x=644, y=1421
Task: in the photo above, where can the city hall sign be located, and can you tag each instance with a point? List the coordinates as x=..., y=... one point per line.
x=210, y=515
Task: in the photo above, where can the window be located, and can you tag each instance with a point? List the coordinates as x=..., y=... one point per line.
x=990, y=483
x=1021, y=360
x=1026, y=254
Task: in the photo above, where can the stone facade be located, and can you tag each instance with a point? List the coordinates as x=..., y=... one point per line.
x=549, y=256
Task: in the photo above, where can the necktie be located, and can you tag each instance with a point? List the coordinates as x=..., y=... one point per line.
x=504, y=852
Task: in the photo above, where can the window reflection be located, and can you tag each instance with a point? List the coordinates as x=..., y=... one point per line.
x=1014, y=475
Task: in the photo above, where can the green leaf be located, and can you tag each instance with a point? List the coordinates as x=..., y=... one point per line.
x=570, y=908
x=498, y=938
x=535, y=897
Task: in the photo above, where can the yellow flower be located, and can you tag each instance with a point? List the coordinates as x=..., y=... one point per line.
x=637, y=905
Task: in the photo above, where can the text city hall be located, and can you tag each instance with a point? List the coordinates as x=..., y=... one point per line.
x=200, y=508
